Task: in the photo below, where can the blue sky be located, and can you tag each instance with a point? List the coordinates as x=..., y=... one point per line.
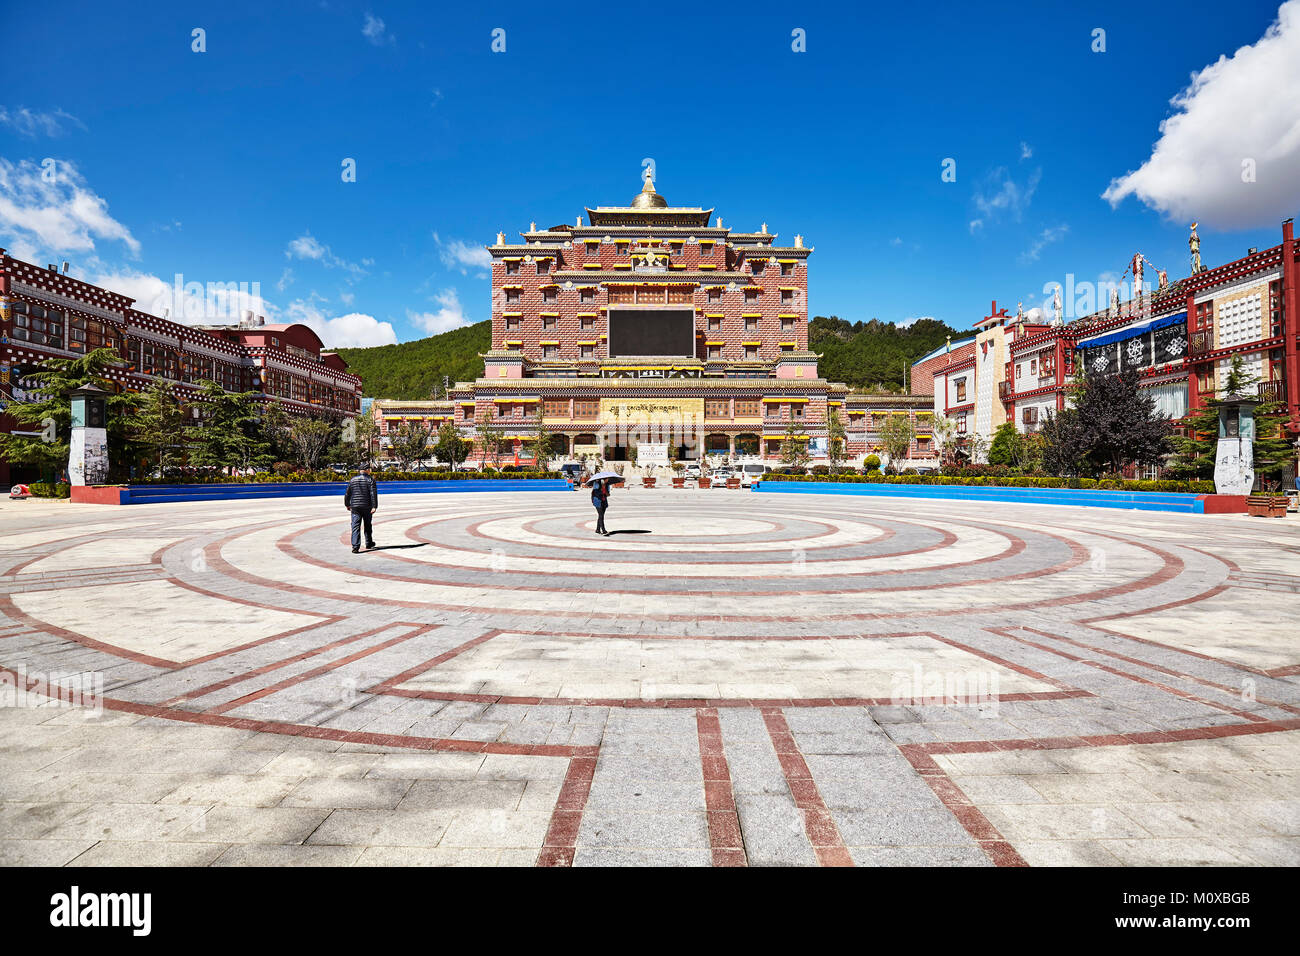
x=225, y=165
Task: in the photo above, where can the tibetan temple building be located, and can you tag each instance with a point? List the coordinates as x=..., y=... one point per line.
x=653, y=325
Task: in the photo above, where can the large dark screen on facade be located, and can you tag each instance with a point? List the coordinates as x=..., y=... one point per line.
x=652, y=332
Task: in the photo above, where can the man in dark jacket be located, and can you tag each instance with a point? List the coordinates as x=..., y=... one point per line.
x=361, y=497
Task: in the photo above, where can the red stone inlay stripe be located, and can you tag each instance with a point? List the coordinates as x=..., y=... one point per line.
x=1226, y=688
x=1136, y=678
x=725, y=839
x=562, y=835
x=315, y=672
x=968, y=815
x=1171, y=568
x=391, y=685
x=307, y=730
x=283, y=662
x=818, y=823
x=1091, y=622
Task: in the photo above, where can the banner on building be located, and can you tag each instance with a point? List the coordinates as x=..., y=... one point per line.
x=651, y=411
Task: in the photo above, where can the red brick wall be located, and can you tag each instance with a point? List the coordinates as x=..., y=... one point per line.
x=923, y=372
x=732, y=306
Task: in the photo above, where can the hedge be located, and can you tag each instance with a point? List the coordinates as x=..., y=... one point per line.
x=1021, y=481
x=45, y=489
x=304, y=477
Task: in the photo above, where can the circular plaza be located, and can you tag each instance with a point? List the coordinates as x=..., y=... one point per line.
x=728, y=678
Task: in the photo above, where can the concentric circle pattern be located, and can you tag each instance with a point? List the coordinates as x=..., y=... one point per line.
x=728, y=677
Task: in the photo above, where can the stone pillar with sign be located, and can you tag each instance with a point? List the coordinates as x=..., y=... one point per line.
x=88, y=449
x=1234, y=459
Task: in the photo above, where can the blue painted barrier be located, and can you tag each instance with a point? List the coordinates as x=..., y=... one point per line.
x=155, y=494
x=1094, y=498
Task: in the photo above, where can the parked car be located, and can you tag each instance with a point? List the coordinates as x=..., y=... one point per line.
x=571, y=471
x=720, y=476
x=751, y=473
x=692, y=470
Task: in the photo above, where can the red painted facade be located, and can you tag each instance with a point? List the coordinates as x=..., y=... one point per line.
x=46, y=315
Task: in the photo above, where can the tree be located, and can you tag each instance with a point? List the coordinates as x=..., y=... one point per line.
x=836, y=439
x=1032, y=449
x=365, y=439
x=274, y=427
x=1197, y=448
x=539, y=442
x=794, y=446
x=1119, y=424
x=451, y=447
x=310, y=437
x=944, y=430
x=1007, y=447
x=1064, y=452
x=49, y=386
x=409, y=442
x=160, y=427
x=227, y=435
x=896, y=436
x=491, y=440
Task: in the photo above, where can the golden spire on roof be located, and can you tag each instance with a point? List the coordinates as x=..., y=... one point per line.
x=647, y=198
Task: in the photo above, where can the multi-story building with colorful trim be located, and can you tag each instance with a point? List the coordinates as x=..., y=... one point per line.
x=45, y=314
x=651, y=323
x=1180, y=337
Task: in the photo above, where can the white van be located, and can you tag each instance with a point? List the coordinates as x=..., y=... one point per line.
x=751, y=473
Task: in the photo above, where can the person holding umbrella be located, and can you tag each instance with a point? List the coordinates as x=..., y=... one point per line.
x=600, y=484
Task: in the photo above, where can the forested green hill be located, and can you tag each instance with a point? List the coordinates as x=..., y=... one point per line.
x=871, y=355
x=413, y=369
x=866, y=355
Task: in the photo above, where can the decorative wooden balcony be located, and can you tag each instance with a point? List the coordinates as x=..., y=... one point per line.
x=1271, y=391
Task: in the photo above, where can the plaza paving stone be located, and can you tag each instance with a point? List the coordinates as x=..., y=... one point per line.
x=749, y=680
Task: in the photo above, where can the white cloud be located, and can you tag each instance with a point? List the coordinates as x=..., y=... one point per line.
x=186, y=299
x=437, y=97
x=1045, y=238
x=896, y=241
x=1234, y=110
x=308, y=247
x=31, y=123
x=354, y=330
x=219, y=303
x=347, y=297
x=1000, y=195
x=450, y=314
x=1026, y=151
x=285, y=280
x=463, y=256
x=909, y=322
x=976, y=225
x=49, y=208
x=375, y=31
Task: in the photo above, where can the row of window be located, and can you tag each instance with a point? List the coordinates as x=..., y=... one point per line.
x=544, y=266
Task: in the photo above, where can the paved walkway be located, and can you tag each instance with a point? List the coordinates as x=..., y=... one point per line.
x=729, y=679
